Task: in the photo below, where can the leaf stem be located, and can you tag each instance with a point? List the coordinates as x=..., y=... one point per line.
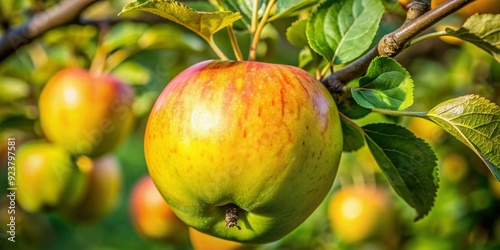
x=119, y=56
x=255, y=17
x=99, y=60
x=400, y=112
x=325, y=70
x=216, y=49
x=349, y=120
x=427, y=37
x=234, y=43
x=258, y=31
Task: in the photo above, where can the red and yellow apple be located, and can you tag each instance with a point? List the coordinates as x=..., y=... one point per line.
x=46, y=177
x=357, y=214
x=152, y=216
x=201, y=241
x=244, y=150
x=104, y=183
x=85, y=113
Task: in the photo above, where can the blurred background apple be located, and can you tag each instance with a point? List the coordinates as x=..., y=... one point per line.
x=46, y=177
x=152, y=216
x=104, y=184
x=201, y=241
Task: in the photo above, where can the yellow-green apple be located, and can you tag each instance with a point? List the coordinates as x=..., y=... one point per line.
x=244, y=150
x=201, y=241
x=152, y=216
x=46, y=177
x=357, y=214
x=104, y=183
x=86, y=113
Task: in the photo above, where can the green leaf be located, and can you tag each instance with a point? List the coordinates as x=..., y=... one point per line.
x=296, y=33
x=386, y=85
x=13, y=89
x=154, y=37
x=204, y=24
x=483, y=31
x=245, y=7
x=288, y=8
x=475, y=121
x=132, y=73
x=351, y=109
x=123, y=34
x=408, y=162
x=352, y=136
x=341, y=31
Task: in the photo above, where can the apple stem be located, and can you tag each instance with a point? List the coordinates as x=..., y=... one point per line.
x=232, y=215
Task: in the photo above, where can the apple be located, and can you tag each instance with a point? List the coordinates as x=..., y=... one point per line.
x=455, y=167
x=494, y=187
x=152, y=216
x=449, y=39
x=405, y=3
x=201, y=241
x=85, y=113
x=104, y=183
x=46, y=177
x=477, y=6
x=358, y=214
x=243, y=150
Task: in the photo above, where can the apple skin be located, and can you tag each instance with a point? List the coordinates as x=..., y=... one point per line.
x=87, y=114
x=46, y=177
x=357, y=214
x=152, y=216
x=264, y=138
x=201, y=241
x=104, y=184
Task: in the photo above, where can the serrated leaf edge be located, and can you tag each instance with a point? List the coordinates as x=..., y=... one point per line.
x=435, y=171
x=463, y=138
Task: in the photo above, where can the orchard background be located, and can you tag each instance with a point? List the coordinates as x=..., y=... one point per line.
x=145, y=51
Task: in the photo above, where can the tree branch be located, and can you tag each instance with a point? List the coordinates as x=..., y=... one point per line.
x=60, y=14
x=418, y=19
x=393, y=43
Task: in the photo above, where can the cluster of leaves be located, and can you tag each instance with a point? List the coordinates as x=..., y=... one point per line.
x=334, y=34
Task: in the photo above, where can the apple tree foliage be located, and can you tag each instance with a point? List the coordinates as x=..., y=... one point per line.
x=335, y=34
x=342, y=42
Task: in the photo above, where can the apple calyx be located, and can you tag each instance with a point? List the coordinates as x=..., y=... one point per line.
x=232, y=215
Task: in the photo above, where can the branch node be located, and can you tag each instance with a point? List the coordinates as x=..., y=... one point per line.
x=333, y=85
x=417, y=9
x=389, y=46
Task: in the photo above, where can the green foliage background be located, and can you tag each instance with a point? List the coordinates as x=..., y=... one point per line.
x=465, y=214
